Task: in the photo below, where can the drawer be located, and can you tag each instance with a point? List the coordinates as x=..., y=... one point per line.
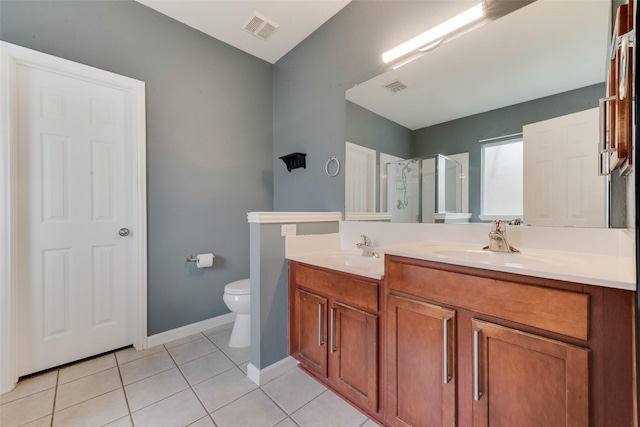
x=555, y=310
x=344, y=288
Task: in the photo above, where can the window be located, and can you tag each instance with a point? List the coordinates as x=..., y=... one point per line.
x=502, y=183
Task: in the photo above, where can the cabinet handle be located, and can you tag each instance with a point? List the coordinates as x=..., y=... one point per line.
x=320, y=334
x=605, y=137
x=332, y=337
x=445, y=352
x=623, y=68
x=477, y=394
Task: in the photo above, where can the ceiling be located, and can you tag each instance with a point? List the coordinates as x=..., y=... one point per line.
x=224, y=19
x=544, y=48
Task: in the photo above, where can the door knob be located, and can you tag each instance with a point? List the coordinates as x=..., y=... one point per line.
x=123, y=232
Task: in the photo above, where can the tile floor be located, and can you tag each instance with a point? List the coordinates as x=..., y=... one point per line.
x=196, y=381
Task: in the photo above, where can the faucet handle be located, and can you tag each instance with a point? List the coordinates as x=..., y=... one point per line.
x=366, y=240
x=498, y=225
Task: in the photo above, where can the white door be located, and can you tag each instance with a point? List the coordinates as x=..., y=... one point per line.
x=384, y=160
x=360, y=178
x=561, y=182
x=74, y=195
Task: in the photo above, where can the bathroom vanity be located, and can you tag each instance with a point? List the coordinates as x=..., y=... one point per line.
x=488, y=348
x=334, y=332
x=442, y=343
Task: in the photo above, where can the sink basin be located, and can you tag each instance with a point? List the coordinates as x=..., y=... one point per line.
x=350, y=259
x=517, y=259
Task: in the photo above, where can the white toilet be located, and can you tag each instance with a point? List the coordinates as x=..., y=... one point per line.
x=236, y=297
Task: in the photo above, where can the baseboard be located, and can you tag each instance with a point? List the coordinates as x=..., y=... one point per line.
x=185, y=331
x=263, y=376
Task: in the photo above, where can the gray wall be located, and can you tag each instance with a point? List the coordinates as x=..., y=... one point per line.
x=462, y=135
x=309, y=93
x=209, y=138
x=270, y=290
x=368, y=129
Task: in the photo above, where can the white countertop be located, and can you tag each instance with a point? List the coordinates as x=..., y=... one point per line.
x=345, y=261
x=612, y=271
x=593, y=257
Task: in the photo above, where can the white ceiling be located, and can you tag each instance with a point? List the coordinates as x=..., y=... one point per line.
x=544, y=48
x=224, y=19
x=547, y=47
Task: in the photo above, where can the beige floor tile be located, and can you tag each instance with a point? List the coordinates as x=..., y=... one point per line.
x=86, y=388
x=155, y=388
x=130, y=354
x=27, y=409
x=287, y=422
x=192, y=350
x=328, y=410
x=98, y=411
x=88, y=367
x=122, y=422
x=218, y=329
x=221, y=339
x=254, y=409
x=42, y=422
x=181, y=409
x=238, y=355
x=293, y=390
x=179, y=342
x=146, y=367
x=370, y=423
x=203, y=422
x=205, y=367
x=224, y=388
x=30, y=386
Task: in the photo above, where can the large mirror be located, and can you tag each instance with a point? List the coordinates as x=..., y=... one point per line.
x=541, y=62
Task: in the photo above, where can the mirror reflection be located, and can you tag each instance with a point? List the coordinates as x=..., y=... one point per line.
x=523, y=76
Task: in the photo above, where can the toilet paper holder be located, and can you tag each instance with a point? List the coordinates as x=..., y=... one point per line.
x=192, y=258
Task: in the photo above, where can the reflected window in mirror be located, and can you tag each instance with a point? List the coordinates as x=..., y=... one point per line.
x=502, y=178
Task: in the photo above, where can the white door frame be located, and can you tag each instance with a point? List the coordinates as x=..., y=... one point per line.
x=350, y=150
x=11, y=57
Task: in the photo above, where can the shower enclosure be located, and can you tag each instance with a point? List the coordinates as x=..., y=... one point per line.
x=419, y=189
x=403, y=190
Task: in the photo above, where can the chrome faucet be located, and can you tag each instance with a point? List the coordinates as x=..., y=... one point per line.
x=498, y=238
x=365, y=245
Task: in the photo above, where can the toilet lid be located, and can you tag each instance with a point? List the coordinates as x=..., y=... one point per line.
x=239, y=287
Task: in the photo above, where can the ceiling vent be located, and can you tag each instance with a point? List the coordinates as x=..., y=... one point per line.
x=396, y=86
x=260, y=26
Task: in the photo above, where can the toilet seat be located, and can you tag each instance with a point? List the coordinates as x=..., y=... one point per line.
x=239, y=287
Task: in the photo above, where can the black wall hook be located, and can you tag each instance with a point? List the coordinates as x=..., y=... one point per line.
x=294, y=161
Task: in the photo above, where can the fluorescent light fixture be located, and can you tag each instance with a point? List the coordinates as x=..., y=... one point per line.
x=436, y=33
x=408, y=59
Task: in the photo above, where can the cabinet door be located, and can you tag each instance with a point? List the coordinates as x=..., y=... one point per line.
x=421, y=389
x=311, y=328
x=526, y=380
x=353, y=354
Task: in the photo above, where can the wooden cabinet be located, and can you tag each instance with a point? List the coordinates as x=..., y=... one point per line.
x=353, y=354
x=421, y=360
x=521, y=351
x=459, y=346
x=526, y=380
x=311, y=331
x=333, y=331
